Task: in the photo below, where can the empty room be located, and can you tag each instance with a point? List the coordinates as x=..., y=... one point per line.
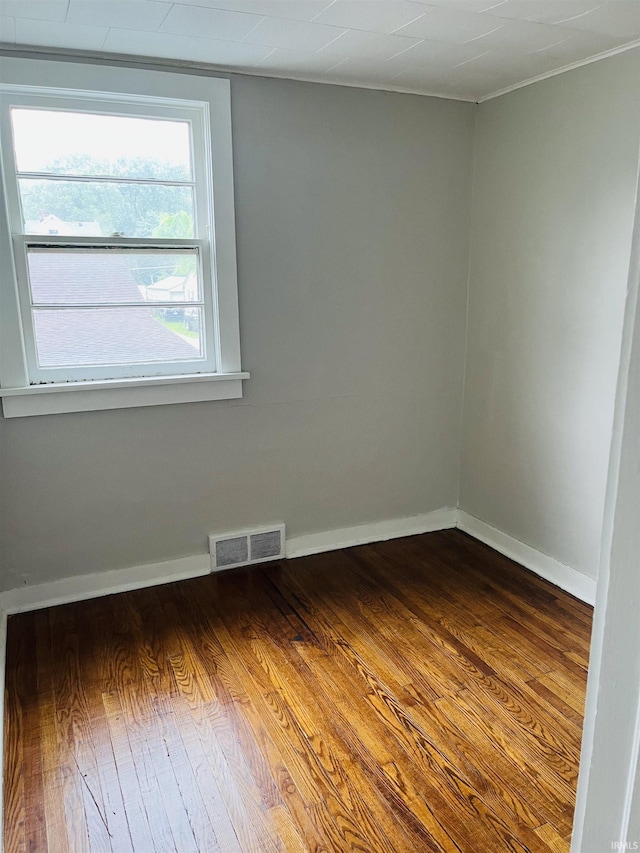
x=320, y=429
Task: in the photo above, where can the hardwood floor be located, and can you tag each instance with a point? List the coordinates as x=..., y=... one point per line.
x=424, y=694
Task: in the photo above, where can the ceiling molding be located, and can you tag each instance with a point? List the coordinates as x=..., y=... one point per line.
x=101, y=57
x=556, y=71
x=28, y=51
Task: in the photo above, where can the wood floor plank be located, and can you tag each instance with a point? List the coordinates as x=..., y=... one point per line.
x=420, y=750
x=149, y=824
x=291, y=839
x=194, y=806
x=322, y=766
x=523, y=588
x=385, y=626
x=341, y=708
x=32, y=769
x=485, y=618
x=254, y=796
x=233, y=734
x=404, y=790
x=519, y=694
x=519, y=749
x=554, y=841
x=116, y=818
x=563, y=687
x=146, y=736
x=529, y=784
x=209, y=768
x=552, y=700
x=452, y=744
x=15, y=799
x=422, y=694
x=75, y=727
x=52, y=807
x=64, y=784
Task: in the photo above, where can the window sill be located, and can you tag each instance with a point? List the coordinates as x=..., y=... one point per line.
x=59, y=397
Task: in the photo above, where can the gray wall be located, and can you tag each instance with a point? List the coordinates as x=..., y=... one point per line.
x=553, y=204
x=352, y=221
x=353, y=235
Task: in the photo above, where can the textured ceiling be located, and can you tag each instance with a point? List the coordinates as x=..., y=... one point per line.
x=468, y=49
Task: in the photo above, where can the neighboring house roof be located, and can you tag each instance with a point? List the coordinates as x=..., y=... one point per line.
x=94, y=334
x=171, y=284
x=52, y=224
x=177, y=286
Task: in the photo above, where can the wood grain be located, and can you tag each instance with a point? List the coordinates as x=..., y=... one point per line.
x=424, y=694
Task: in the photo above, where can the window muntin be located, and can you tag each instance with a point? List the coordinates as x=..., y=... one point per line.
x=154, y=207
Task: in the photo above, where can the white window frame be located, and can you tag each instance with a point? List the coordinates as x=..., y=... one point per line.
x=196, y=115
x=205, y=103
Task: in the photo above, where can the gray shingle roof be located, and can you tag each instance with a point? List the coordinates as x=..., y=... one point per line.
x=96, y=335
x=88, y=277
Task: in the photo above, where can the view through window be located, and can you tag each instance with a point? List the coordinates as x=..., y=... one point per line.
x=110, y=219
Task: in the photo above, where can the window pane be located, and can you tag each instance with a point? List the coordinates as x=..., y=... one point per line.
x=75, y=143
x=110, y=276
x=85, y=336
x=104, y=209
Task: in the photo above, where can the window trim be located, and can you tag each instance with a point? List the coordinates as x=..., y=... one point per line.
x=119, y=85
x=195, y=114
x=56, y=398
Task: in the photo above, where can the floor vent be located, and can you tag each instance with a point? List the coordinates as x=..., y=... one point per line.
x=246, y=547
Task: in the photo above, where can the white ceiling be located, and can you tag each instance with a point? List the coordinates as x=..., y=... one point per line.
x=467, y=49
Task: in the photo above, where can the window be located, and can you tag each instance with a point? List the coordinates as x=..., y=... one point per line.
x=120, y=221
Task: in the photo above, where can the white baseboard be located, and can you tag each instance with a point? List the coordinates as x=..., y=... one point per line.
x=83, y=587
x=546, y=567
x=80, y=588
x=67, y=590
x=363, y=534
